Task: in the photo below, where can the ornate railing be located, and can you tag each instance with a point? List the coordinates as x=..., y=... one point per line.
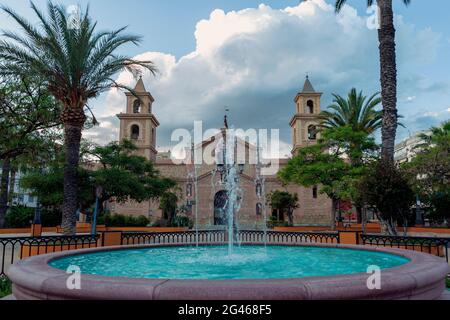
x=188, y=237
x=288, y=237
x=17, y=248
x=220, y=236
x=431, y=245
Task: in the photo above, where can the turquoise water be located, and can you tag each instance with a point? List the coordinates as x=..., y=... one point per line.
x=247, y=262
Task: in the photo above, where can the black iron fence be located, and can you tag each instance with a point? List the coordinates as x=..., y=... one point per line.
x=431, y=245
x=220, y=236
x=17, y=248
x=188, y=237
x=288, y=237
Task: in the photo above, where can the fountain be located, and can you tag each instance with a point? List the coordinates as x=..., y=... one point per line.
x=192, y=178
x=250, y=271
x=230, y=171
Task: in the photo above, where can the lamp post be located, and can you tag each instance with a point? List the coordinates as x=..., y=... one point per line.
x=98, y=194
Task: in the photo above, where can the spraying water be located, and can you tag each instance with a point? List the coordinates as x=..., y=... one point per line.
x=230, y=180
x=260, y=183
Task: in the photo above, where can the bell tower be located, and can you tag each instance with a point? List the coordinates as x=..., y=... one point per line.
x=305, y=122
x=138, y=123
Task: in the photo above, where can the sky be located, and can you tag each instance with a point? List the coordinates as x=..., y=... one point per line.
x=253, y=56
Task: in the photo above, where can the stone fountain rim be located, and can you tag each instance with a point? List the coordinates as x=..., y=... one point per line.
x=422, y=278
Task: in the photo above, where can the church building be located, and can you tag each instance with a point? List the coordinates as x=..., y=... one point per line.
x=203, y=191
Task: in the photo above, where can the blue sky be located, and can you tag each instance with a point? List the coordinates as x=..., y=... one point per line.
x=169, y=34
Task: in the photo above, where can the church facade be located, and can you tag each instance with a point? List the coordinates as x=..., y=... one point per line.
x=201, y=186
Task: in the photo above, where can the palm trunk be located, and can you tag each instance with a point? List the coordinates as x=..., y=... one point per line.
x=333, y=214
x=72, y=137
x=4, y=185
x=386, y=35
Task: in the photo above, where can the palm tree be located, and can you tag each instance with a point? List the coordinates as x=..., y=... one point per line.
x=356, y=112
x=436, y=136
x=386, y=37
x=77, y=64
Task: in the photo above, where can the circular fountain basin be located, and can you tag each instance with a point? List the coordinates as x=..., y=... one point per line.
x=251, y=272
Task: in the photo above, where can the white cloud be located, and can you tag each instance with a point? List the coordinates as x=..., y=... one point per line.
x=255, y=61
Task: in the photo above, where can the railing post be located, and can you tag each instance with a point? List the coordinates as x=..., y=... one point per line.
x=36, y=230
x=112, y=238
x=348, y=237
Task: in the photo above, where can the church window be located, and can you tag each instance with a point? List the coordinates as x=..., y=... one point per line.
x=315, y=192
x=137, y=106
x=135, y=132
x=258, y=190
x=310, y=106
x=312, y=133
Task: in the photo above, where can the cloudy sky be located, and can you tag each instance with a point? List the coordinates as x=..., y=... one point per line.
x=253, y=58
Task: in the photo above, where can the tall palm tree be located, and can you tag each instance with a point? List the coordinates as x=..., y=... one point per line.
x=357, y=111
x=77, y=64
x=386, y=37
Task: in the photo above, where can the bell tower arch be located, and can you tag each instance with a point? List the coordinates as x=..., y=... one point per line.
x=306, y=120
x=138, y=123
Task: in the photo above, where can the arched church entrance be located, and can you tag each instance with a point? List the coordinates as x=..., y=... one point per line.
x=220, y=208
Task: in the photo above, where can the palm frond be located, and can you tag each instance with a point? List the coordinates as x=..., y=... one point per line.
x=77, y=63
x=357, y=111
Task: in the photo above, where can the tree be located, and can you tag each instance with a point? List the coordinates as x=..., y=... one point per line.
x=439, y=201
x=429, y=171
x=327, y=165
x=121, y=175
x=312, y=167
x=388, y=64
x=357, y=112
x=168, y=204
x=385, y=188
x=285, y=202
x=77, y=65
x=28, y=113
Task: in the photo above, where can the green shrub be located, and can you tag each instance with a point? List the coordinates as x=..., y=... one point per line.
x=19, y=217
x=22, y=217
x=118, y=220
x=51, y=217
x=5, y=287
x=447, y=282
x=182, y=222
x=274, y=222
